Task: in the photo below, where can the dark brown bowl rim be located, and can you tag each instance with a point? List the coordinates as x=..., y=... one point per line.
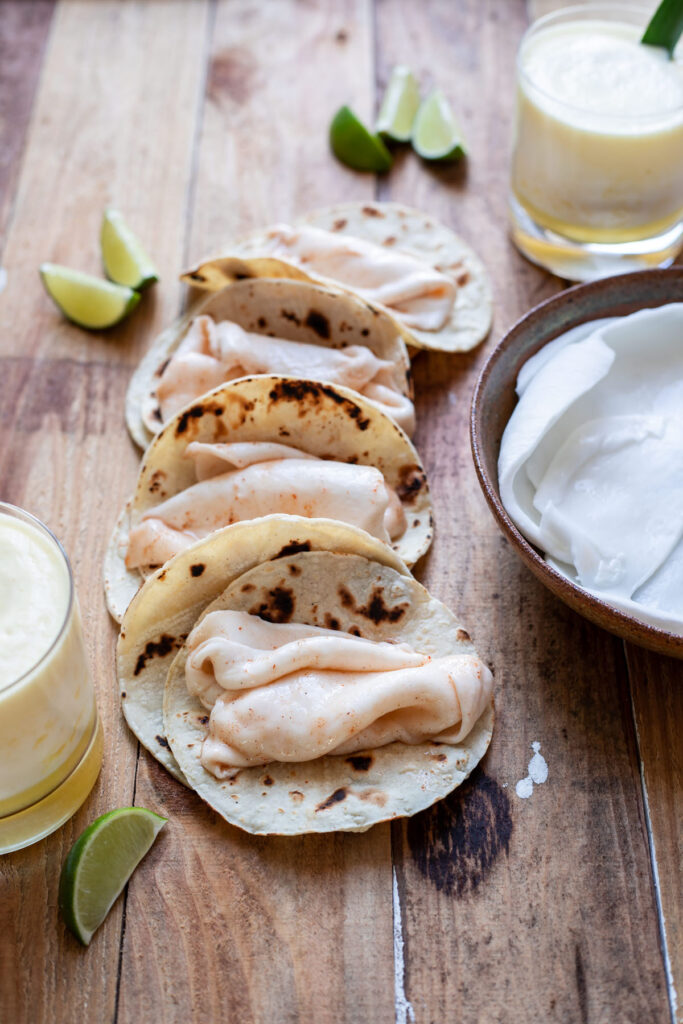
x=616, y=621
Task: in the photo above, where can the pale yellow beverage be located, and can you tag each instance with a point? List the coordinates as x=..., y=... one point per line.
x=50, y=737
x=597, y=166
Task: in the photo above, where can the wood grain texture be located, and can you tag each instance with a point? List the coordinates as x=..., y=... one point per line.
x=276, y=73
x=545, y=907
x=253, y=929
x=657, y=688
x=99, y=133
x=23, y=33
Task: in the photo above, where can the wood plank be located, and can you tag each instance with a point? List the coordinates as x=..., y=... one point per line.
x=23, y=33
x=255, y=929
x=658, y=708
x=109, y=71
x=276, y=76
x=513, y=909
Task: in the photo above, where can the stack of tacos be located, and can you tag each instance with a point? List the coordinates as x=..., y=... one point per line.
x=275, y=652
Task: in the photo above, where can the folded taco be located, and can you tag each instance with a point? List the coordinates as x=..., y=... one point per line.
x=392, y=256
x=293, y=328
x=312, y=687
x=263, y=445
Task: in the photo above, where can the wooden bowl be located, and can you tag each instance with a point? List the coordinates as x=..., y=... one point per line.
x=495, y=398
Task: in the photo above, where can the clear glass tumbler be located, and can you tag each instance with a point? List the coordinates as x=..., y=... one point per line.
x=597, y=163
x=50, y=734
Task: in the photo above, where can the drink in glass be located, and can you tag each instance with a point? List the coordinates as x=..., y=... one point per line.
x=597, y=166
x=50, y=735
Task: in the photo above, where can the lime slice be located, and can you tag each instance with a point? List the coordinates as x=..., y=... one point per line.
x=100, y=863
x=88, y=301
x=355, y=146
x=399, y=106
x=125, y=261
x=436, y=133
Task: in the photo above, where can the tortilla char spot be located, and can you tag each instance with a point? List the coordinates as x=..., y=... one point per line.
x=438, y=757
x=162, y=575
x=416, y=522
x=283, y=433
x=462, y=634
x=318, y=322
x=242, y=275
x=375, y=609
x=196, y=276
x=372, y=211
x=341, y=36
x=374, y=796
x=286, y=314
x=163, y=742
x=365, y=332
x=333, y=798
x=123, y=695
x=462, y=278
x=361, y=762
x=391, y=240
x=295, y=391
x=203, y=720
x=197, y=569
x=411, y=481
x=354, y=631
x=247, y=588
x=268, y=781
x=296, y=795
x=294, y=570
x=156, y=480
x=339, y=224
x=195, y=413
x=279, y=606
x=262, y=322
x=294, y=548
x=456, y=842
x=219, y=410
x=156, y=649
x=331, y=622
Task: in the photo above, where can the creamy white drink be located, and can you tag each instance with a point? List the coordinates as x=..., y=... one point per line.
x=48, y=719
x=598, y=151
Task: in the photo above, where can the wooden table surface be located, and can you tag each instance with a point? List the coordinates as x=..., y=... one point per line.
x=200, y=120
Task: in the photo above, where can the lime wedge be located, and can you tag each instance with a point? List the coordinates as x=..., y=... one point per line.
x=100, y=863
x=88, y=301
x=355, y=146
x=399, y=106
x=125, y=261
x=436, y=133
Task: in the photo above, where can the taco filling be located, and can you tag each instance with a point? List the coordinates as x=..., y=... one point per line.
x=247, y=480
x=418, y=294
x=288, y=692
x=213, y=353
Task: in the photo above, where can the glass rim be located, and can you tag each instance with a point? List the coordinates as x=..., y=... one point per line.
x=627, y=13
x=15, y=512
